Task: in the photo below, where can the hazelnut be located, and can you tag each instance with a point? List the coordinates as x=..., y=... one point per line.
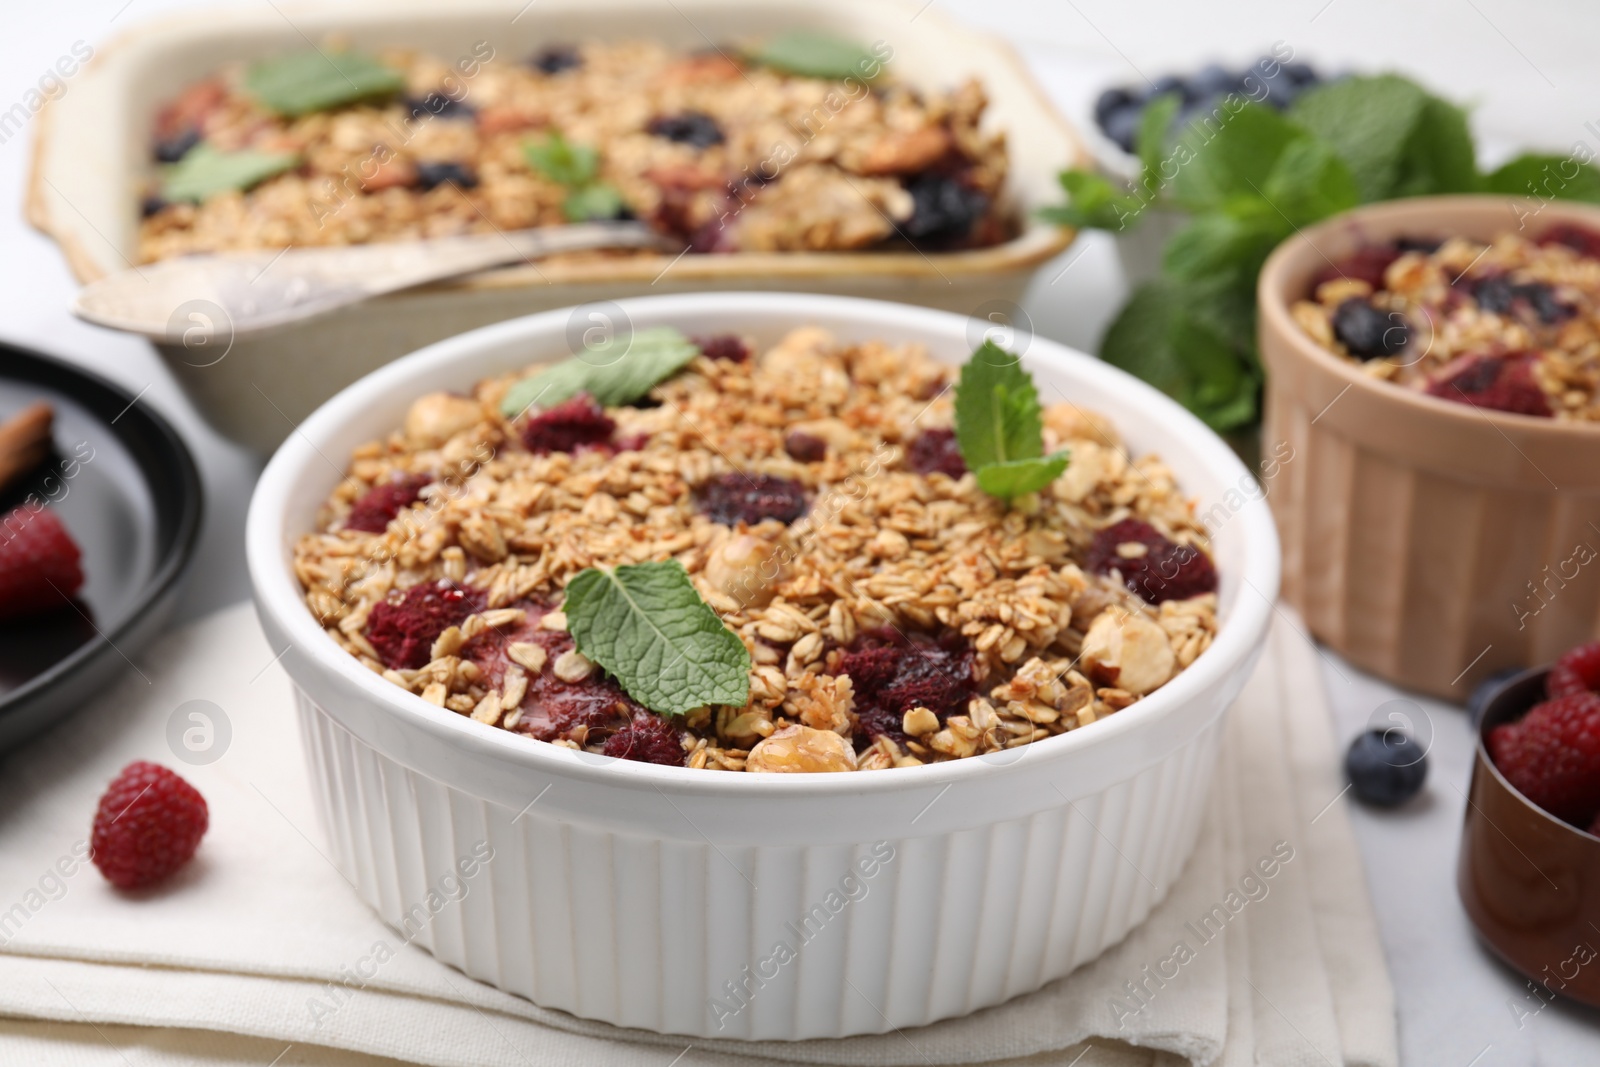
x=434, y=419
x=1127, y=651
x=746, y=569
x=799, y=749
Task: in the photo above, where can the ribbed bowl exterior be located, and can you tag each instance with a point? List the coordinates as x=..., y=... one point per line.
x=670, y=935
x=1427, y=542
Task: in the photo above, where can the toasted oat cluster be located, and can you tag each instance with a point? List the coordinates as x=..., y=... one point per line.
x=709, y=148
x=894, y=614
x=1511, y=326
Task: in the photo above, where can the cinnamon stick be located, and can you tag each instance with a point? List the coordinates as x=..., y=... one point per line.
x=25, y=441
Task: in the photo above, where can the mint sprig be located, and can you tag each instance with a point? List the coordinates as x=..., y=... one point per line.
x=1250, y=180
x=999, y=430
x=648, y=627
x=576, y=166
x=618, y=370
x=302, y=82
x=204, y=172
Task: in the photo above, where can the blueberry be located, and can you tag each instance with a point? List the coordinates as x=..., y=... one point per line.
x=1110, y=101
x=943, y=210
x=1425, y=245
x=694, y=128
x=1385, y=767
x=430, y=175
x=171, y=149
x=555, y=59
x=1212, y=79
x=1485, y=691
x=1170, y=83
x=150, y=205
x=438, y=105
x=1302, y=74
x=1494, y=294
x=1499, y=295
x=1542, y=298
x=1368, y=332
x=1123, y=126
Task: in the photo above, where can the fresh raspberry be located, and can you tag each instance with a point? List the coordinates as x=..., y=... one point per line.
x=647, y=738
x=891, y=673
x=936, y=450
x=751, y=498
x=1578, y=671
x=1166, y=571
x=1580, y=239
x=148, y=825
x=724, y=346
x=39, y=568
x=1500, y=383
x=403, y=631
x=567, y=426
x=1366, y=264
x=380, y=504
x=1552, y=756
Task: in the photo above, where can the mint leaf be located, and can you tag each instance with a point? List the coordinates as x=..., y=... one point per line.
x=1544, y=177
x=616, y=371
x=572, y=165
x=203, y=172
x=1093, y=202
x=1215, y=244
x=1217, y=166
x=1308, y=183
x=817, y=55
x=1439, y=156
x=1155, y=127
x=597, y=201
x=303, y=82
x=996, y=409
x=1018, y=476
x=647, y=626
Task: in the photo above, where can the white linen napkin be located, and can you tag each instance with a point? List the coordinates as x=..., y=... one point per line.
x=1265, y=950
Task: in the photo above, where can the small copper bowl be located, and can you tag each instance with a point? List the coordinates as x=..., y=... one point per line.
x=1530, y=882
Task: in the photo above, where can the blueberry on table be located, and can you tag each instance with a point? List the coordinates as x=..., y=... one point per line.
x=173, y=148
x=693, y=128
x=431, y=175
x=1386, y=768
x=1368, y=332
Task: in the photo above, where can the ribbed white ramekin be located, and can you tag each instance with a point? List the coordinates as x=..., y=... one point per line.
x=754, y=906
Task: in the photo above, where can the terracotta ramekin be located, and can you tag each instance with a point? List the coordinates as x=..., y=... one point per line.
x=1429, y=542
x=1530, y=882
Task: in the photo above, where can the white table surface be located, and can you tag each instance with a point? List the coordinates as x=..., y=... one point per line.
x=1528, y=70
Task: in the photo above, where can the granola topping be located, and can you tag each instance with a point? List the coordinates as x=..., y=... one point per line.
x=900, y=617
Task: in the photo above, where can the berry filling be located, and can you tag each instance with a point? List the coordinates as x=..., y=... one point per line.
x=433, y=175
x=568, y=426
x=1502, y=296
x=648, y=739
x=378, y=506
x=1162, y=570
x=693, y=128
x=751, y=498
x=943, y=210
x=891, y=673
x=1366, y=264
x=1500, y=383
x=1367, y=331
x=555, y=59
x=936, y=450
x=1581, y=239
x=724, y=346
x=403, y=632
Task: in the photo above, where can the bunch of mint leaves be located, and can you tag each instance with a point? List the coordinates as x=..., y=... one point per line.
x=1249, y=182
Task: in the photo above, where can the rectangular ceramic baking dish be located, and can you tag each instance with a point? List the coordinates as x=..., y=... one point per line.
x=92, y=153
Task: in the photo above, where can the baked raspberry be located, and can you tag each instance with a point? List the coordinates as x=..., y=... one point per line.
x=1500, y=383
x=1552, y=756
x=725, y=346
x=891, y=673
x=584, y=711
x=1165, y=571
x=1578, y=671
x=39, y=563
x=647, y=738
x=148, y=824
x=1580, y=239
x=380, y=504
x=936, y=450
x=751, y=498
x=1366, y=264
x=805, y=447
x=568, y=426
x=403, y=631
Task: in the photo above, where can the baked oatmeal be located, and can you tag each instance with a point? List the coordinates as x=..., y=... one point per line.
x=1512, y=325
x=812, y=501
x=724, y=149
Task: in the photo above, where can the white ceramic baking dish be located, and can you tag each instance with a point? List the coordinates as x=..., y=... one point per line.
x=655, y=897
x=92, y=152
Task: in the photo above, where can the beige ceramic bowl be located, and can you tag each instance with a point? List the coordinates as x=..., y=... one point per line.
x=1428, y=542
x=92, y=153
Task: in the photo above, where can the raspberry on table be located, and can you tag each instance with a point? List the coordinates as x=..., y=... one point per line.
x=1552, y=756
x=751, y=498
x=378, y=506
x=567, y=426
x=1578, y=671
x=1165, y=571
x=148, y=824
x=39, y=563
x=1500, y=383
x=936, y=450
x=402, y=632
x=648, y=738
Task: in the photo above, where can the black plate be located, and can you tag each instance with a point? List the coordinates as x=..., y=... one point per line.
x=126, y=488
